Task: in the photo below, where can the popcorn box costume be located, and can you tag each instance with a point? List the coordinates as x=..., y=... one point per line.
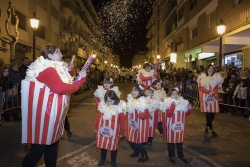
x=153, y=106
x=100, y=92
x=146, y=78
x=109, y=125
x=159, y=95
x=43, y=111
x=208, y=84
x=137, y=126
x=174, y=119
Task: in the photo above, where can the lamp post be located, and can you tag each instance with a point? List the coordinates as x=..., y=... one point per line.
x=221, y=28
x=34, y=22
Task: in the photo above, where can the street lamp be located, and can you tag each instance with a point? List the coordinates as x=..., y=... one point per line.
x=221, y=28
x=34, y=22
x=158, y=57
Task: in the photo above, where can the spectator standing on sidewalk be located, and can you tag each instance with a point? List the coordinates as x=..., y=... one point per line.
x=23, y=68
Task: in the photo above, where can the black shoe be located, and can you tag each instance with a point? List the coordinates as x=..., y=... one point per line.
x=113, y=164
x=143, y=158
x=205, y=129
x=213, y=133
x=101, y=162
x=182, y=160
x=69, y=133
x=134, y=154
x=172, y=160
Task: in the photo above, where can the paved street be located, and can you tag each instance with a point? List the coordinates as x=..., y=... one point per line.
x=230, y=148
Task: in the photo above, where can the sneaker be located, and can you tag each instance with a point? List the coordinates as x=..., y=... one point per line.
x=182, y=160
x=213, y=133
x=172, y=160
x=161, y=134
x=143, y=158
x=205, y=129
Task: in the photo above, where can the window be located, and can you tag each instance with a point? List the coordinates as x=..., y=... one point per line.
x=22, y=20
x=180, y=13
x=212, y=19
x=194, y=33
x=54, y=12
x=192, y=4
x=237, y=2
x=40, y=32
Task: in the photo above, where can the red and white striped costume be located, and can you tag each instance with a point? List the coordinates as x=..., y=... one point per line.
x=207, y=84
x=137, y=120
x=45, y=101
x=109, y=125
x=100, y=92
x=159, y=95
x=146, y=78
x=174, y=114
x=153, y=107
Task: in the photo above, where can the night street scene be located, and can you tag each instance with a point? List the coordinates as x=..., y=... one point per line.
x=124, y=83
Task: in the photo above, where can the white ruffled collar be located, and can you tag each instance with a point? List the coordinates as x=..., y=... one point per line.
x=136, y=104
x=41, y=64
x=159, y=94
x=207, y=81
x=180, y=104
x=110, y=110
x=100, y=92
x=153, y=104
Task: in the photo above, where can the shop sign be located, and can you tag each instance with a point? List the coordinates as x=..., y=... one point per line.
x=240, y=56
x=23, y=48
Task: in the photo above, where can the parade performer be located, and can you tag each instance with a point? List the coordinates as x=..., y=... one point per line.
x=108, y=84
x=153, y=106
x=137, y=122
x=159, y=95
x=109, y=125
x=45, y=101
x=147, y=76
x=174, y=111
x=208, y=84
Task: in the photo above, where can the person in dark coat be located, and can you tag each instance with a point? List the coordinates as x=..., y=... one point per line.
x=23, y=68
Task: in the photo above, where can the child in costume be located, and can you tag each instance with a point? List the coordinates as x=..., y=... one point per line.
x=137, y=122
x=153, y=106
x=108, y=84
x=174, y=112
x=159, y=95
x=109, y=125
x=147, y=76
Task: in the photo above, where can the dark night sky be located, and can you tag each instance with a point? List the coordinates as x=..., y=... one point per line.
x=124, y=23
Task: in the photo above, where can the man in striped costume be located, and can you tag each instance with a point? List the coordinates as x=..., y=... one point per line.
x=45, y=101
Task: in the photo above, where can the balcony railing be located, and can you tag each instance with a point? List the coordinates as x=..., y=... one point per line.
x=69, y=4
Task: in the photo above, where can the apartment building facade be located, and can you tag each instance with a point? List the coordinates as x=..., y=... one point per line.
x=189, y=30
x=71, y=24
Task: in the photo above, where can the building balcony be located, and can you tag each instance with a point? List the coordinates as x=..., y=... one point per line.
x=70, y=6
x=180, y=47
x=180, y=23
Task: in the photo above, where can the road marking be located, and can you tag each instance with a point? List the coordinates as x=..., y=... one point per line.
x=203, y=157
x=196, y=162
x=82, y=160
x=72, y=153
